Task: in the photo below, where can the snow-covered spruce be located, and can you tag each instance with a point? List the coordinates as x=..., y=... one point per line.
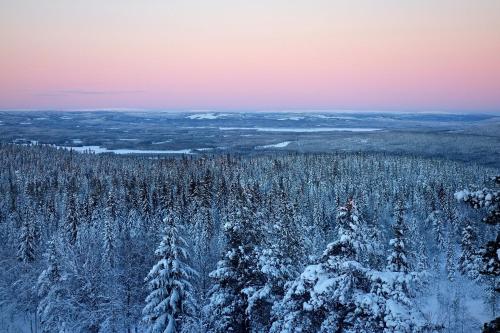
x=51, y=307
x=393, y=289
x=330, y=296
x=341, y=294
x=469, y=261
x=27, y=240
x=235, y=273
x=170, y=304
x=489, y=200
x=280, y=261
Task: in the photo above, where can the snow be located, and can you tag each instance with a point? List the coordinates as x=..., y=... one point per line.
x=292, y=118
x=460, y=195
x=477, y=309
x=321, y=116
x=300, y=130
x=16, y=323
x=161, y=142
x=276, y=145
x=207, y=116
x=77, y=141
x=100, y=150
x=323, y=284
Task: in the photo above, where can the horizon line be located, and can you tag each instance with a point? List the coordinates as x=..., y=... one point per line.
x=270, y=110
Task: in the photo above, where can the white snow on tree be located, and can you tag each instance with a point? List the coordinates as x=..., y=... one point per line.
x=267, y=220
x=469, y=261
x=27, y=240
x=51, y=307
x=435, y=221
x=279, y=262
x=170, y=304
x=330, y=296
x=397, y=259
x=394, y=288
x=489, y=200
x=235, y=273
x=71, y=218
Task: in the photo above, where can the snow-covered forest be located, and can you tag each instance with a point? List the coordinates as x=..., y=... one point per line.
x=342, y=242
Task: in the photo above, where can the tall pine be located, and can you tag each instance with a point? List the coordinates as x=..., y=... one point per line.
x=237, y=270
x=170, y=305
x=328, y=296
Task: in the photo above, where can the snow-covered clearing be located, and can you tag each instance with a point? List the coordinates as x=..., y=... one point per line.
x=161, y=142
x=101, y=150
x=207, y=116
x=301, y=130
x=292, y=118
x=276, y=145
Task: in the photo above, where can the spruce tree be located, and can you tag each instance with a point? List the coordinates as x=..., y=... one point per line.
x=328, y=296
x=50, y=288
x=489, y=200
x=450, y=260
x=398, y=258
x=71, y=218
x=237, y=270
x=27, y=241
x=393, y=289
x=280, y=261
x=170, y=305
x=468, y=262
x=109, y=236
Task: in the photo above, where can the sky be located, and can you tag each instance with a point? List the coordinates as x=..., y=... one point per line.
x=393, y=55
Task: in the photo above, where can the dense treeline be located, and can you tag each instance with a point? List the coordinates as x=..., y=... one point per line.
x=272, y=243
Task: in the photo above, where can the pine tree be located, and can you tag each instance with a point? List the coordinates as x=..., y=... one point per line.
x=393, y=289
x=469, y=260
x=422, y=258
x=203, y=231
x=27, y=240
x=329, y=296
x=450, y=260
x=170, y=304
x=51, y=292
x=436, y=222
x=397, y=260
x=145, y=205
x=109, y=241
x=491, y=301
x=280, y=262
x=71, y=218
x=488, y=199
x=237, y=270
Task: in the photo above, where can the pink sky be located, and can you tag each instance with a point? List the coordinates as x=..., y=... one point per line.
x=428, y=55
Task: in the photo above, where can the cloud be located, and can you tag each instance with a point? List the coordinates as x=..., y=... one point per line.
x=66, y=92
x=99, y=92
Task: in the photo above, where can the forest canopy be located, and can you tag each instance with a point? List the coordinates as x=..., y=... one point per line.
x=276, y=242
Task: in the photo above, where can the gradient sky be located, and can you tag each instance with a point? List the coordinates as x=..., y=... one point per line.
x=428, y=55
